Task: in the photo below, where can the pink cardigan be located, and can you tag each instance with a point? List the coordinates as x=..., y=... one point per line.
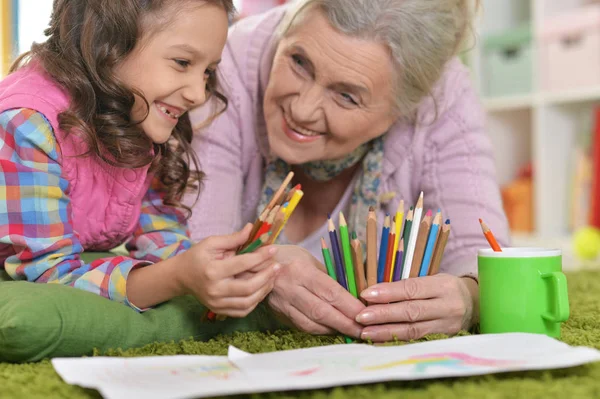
x=449, y=158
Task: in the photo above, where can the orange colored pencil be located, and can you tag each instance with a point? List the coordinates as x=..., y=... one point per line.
x=421, y=242
x=489, y=236
x=371, y=248
x=440, y=246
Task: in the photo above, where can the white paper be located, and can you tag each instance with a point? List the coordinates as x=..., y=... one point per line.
x=319, y=367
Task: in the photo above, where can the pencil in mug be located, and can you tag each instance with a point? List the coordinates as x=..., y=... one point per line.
x=489, y=236
x=429, y=248
x=420, y=244
x=440, y=246
x=412, y=241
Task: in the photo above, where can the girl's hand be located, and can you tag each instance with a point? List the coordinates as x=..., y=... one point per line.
x=410, y=309
x=211, y=273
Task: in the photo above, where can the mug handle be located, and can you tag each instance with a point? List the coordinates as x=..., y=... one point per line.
x=561, y=301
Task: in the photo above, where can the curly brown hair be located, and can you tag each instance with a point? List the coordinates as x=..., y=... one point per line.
x=86, y=41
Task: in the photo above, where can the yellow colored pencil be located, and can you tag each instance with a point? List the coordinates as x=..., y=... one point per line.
x=290, y=209
x=399, y=218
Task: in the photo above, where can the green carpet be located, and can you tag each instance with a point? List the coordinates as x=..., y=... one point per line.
x=40, y=381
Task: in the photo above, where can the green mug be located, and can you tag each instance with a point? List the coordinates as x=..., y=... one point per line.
x=522, y=290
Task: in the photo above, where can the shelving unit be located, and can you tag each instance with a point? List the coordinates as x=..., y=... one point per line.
x=539, y=127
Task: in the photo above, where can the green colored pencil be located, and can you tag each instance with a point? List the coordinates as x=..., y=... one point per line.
x=331, y=273
x=347, y=249
x=327, y=259
x=256, y=244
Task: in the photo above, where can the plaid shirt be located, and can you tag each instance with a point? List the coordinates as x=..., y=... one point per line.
x=37, y=240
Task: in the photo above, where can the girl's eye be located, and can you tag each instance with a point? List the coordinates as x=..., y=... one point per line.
x=182, y=63
x=348, y=98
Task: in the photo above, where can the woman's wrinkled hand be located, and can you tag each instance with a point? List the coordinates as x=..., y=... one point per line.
x=305, y=297
x=410, y=309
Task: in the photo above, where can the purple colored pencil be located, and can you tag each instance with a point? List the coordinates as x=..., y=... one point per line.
x=398, y=265
x=337, y=256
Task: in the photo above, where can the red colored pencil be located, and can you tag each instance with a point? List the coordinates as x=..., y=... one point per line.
x=390, y=253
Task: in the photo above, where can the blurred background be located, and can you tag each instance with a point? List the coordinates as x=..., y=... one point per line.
x=536, y=64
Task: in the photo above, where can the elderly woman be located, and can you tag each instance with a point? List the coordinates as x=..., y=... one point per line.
x=367, y=104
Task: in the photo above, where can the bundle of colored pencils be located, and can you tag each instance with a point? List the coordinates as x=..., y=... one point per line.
x=270, y=222
x=406, y=250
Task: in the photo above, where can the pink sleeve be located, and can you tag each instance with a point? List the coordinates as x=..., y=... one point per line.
x=459, y=176
x=219, y=150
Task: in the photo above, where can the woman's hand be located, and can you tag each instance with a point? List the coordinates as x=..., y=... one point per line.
x=308, y=299
x=410, y=309
x=212, y=274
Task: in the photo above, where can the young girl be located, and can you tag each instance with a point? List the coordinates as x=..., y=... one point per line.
x=95, y=151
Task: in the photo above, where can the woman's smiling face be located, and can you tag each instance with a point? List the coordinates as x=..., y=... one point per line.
x=328, y=93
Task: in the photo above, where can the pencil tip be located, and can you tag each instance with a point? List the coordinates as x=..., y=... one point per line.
x=480, y=221
x=429, y=213
x=342, y=219
x=354, y=235
x=412, y=208
x=371, y=209
x=323, y=245
x=447, y=221
x=329, y=216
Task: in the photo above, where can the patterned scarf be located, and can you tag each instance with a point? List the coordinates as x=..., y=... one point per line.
x=366, y=188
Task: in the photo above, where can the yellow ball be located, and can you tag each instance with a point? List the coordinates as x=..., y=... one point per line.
x=587, y=243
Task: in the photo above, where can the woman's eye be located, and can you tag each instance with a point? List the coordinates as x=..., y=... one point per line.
x=348, y=98
x=182, y=63
x=298, y=61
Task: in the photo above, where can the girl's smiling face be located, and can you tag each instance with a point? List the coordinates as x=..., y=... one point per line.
x=170, y=67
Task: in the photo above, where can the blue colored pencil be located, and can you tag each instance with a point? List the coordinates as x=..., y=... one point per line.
x=399, y=262
x=337, y=255
x=385, y=232
x=431, y=240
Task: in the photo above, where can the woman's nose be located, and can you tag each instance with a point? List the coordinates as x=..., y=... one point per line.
x=306, y=107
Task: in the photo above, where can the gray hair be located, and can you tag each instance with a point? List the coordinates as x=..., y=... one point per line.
x=422, y=36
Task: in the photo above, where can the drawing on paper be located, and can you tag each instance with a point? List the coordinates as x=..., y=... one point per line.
x=452, y=360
